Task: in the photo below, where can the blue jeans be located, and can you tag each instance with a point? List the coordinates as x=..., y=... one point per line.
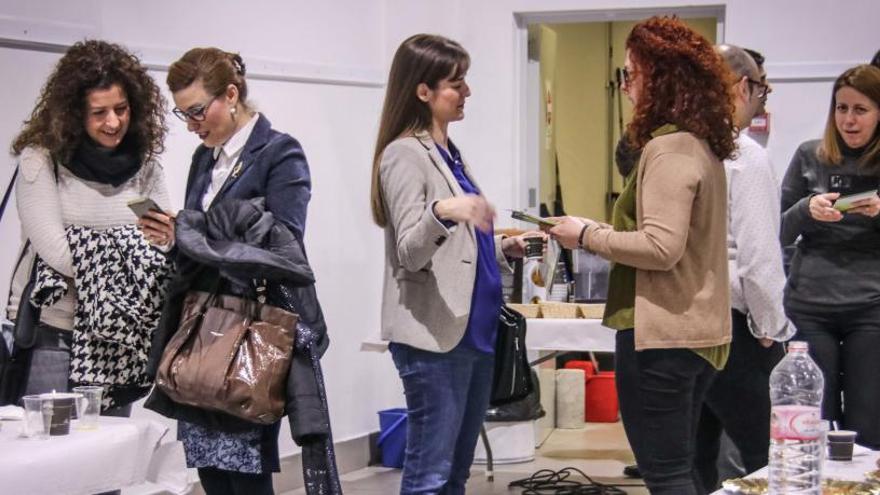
x=447, y=395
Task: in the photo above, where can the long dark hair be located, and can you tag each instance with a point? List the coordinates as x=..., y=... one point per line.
x=57, y=121
x=422, y=58
x=866, y=80
x=684, y=82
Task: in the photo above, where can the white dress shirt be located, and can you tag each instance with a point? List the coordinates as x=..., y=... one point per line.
x=226, y=158
x=757, y=280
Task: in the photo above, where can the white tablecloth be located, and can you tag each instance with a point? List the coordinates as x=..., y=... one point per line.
x=547, y=334
x=581, y=334
x=863, y=461
x=115, y=455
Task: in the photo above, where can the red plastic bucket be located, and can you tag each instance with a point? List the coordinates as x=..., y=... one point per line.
x=600, y=399
x=587, y=366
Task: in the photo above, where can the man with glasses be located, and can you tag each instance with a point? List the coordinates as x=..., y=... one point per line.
x=762, y=80
x=738, y=401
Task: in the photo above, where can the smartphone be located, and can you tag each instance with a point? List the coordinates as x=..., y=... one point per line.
x=525, y=217
x=844, y=203
x=140, y=206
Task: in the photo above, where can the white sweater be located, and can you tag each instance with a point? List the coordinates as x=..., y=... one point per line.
x=46, y=207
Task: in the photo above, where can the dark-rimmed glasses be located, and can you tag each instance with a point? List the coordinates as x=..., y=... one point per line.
x=196, y=114
x=761, y=87
x=627, y=76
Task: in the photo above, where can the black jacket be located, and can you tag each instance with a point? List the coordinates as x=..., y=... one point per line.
x=237, y=242
x=273, y=168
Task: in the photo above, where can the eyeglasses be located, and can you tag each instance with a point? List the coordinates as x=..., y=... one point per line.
x=761, y=91
x=628, y=76
x=196, y=114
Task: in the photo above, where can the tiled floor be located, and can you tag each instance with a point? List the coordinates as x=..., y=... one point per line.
x=598, y=449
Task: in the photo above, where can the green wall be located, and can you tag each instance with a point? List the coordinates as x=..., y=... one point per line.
x=583, y=128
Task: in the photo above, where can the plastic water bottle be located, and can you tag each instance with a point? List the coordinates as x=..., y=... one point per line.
x=797, y=442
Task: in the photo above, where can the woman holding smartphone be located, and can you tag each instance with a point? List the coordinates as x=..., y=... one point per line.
x=442, y=293
x=89, y=148
x=833, y=289
x=241, y=157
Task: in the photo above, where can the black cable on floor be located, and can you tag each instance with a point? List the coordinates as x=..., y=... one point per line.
x=549, y=482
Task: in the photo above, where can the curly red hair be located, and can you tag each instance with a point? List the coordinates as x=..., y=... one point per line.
x=684, y=82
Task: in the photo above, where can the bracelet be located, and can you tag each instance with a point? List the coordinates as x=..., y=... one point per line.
x=581, y=236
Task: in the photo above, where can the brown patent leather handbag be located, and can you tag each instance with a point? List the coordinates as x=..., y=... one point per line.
x=230, y=354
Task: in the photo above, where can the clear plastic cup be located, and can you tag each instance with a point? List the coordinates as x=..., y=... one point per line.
x=37, y=416
x=88, y=407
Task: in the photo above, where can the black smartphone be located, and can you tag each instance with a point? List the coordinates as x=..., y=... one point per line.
x=140, y=206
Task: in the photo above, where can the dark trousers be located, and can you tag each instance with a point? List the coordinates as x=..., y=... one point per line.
x=846, y=346
x=738, y=402
x=661, y=392
x=447, y=395
x=219, y=482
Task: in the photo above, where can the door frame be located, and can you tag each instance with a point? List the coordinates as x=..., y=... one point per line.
x=526, y=178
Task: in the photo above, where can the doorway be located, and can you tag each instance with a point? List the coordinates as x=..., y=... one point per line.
x=572, y=112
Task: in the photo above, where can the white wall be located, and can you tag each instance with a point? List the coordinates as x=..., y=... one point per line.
x=290, y=43
x=807, y=44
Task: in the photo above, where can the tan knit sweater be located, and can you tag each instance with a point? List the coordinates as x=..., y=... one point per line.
x=680, y=248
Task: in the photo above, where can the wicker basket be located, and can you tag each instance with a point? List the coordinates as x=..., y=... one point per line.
x=559, y=310
x=527, y=310
x=592, y=311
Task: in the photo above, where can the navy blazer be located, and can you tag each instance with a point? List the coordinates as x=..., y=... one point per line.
x=272, y=165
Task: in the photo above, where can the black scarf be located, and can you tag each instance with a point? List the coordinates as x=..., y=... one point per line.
x=107, y=166
x=626, y=157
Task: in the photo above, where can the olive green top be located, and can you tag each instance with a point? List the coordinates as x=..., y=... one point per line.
x=620, y=306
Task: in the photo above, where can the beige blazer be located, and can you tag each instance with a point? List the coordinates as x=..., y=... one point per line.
x=429, y=269
x=680, y=247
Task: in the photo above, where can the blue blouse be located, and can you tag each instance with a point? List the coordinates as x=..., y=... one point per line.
x=486, y=299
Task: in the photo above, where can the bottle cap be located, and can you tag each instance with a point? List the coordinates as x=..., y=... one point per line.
x=798, y=345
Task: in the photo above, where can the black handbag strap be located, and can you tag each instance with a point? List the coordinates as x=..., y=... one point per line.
x=8, y=193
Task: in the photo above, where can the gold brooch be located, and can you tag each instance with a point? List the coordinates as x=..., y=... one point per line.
x=236, y=170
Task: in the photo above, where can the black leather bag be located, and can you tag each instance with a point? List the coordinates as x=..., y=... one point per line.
x=15, y=362
x=512, y=380
x=15, y=368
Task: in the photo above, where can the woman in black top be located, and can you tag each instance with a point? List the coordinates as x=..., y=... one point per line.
x=833, y=290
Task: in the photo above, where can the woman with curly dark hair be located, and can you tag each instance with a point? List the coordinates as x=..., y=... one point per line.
x=87, y=151
x=668, y=293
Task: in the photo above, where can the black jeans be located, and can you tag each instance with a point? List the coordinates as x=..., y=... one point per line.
x=738, y=402
x=219, y=482
x=661, y=392
x=846, y=346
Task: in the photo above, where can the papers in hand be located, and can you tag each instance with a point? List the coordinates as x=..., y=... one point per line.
x=844, y=203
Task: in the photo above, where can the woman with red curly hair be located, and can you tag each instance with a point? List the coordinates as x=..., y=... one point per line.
x=668, y=293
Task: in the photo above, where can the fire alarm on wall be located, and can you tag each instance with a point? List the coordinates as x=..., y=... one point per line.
x=760, y=124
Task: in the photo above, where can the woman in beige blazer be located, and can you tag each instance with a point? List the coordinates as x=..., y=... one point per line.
x=442, y=290
x=668, y=292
